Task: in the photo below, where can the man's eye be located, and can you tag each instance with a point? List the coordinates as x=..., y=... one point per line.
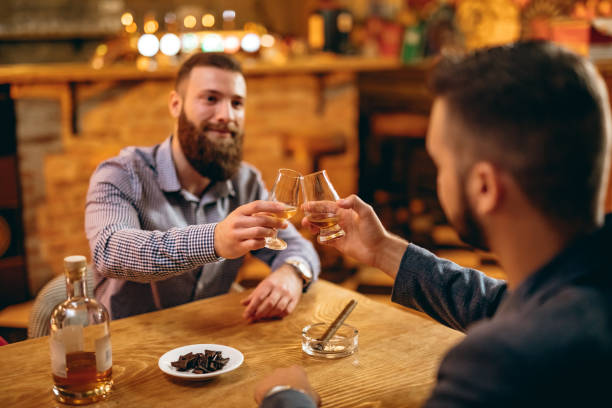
x=237, y=104
x=211, y=98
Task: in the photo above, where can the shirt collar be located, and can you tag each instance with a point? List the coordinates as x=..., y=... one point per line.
x=581, y=257
x=166, y=172
x=169, y=182
x=218, y=190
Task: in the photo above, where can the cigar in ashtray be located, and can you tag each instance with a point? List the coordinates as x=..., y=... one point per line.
x=333, y=328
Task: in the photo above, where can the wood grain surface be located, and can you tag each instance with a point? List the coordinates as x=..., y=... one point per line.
x=395, y=366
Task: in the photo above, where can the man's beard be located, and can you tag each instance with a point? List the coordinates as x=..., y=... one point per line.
x=467, y=226
x=215, y=160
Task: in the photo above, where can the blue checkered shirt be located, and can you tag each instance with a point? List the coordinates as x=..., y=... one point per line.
x=152, y=242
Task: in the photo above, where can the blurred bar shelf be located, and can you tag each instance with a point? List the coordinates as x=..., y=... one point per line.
x=58, y=73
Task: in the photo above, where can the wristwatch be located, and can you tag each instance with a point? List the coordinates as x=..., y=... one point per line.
x=303, y=271
x=279, y=388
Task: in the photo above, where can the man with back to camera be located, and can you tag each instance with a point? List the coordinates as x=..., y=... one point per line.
x=520, y=135
x=171, y=223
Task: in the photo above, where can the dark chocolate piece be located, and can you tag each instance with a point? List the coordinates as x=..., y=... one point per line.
x=201, y=363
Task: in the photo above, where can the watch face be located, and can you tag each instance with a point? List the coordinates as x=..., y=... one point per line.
x=302, y=269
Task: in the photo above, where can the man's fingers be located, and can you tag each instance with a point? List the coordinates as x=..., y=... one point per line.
x=260, y=293
x=281, y=307
x=260, y=206
x=267, y=305
x=254, y=233
x=253, y=244
x=291, y=306
x=247, y=299
x=260, y=220
x=356, y=204
x=311, y=227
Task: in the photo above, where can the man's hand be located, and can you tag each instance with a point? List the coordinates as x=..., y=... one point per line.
x=246, y=228
x=294, y=376
x=366, y=238
x=275, y=296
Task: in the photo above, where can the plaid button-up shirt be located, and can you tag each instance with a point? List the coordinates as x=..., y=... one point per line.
x=152, y=242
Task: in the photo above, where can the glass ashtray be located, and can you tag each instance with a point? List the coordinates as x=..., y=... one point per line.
x=342, y=344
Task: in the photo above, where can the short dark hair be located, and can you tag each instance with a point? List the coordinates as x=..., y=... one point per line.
x=207, y=59
x=537, y=111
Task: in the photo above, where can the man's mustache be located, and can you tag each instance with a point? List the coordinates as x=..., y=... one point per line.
x=219, y=128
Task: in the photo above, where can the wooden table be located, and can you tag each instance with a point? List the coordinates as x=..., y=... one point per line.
x=399, y=353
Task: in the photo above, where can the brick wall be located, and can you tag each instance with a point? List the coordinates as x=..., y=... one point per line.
x=55, y=165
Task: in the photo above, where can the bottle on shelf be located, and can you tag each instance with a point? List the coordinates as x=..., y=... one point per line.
x=81, y=356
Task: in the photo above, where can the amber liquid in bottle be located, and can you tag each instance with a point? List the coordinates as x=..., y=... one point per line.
x=82, y=373
x=81, y=357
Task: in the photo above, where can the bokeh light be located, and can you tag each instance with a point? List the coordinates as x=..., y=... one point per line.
x=151, y=26
x=189, y=21
x=208, y=20
x=127, y=19
x=170, y=44
x=231, y=44
x=251, y=42
x=190, y=42
x=212, y=43
x=267, y=40
x=148, y=45
x=132, y=28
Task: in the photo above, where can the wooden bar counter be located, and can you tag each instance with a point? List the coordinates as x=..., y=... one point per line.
x=399, y=353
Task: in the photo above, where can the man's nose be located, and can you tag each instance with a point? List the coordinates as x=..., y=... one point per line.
x=225, y=113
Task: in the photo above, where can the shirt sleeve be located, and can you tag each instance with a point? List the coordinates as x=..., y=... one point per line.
x=453, y=295
x=121, y=249
x=288, y=399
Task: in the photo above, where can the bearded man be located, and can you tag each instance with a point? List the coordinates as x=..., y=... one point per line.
x=171, y=223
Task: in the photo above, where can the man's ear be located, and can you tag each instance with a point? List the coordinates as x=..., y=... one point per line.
x=175, y=104
x=485, y=188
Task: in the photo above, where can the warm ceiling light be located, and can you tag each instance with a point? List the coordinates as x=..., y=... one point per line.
x=148, y=45
x=169, y=44
x=102, y=49
x=251, y=42
x=189, y=21
x=131, y=28
x=190, y=42
x=212, y=43
x=208, y=20
x=151, y=26
x=231, y=44
x=127, y=19
x=267, y=40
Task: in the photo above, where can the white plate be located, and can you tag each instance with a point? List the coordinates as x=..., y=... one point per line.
x=235, y=360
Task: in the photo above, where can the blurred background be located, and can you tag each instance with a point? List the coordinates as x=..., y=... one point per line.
x=335, y=85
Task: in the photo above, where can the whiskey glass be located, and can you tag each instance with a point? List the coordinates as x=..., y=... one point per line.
x=286, y=190
x=319, y=191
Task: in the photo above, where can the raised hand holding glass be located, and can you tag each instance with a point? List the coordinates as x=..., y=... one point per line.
x=320, y=194
x=286, y=190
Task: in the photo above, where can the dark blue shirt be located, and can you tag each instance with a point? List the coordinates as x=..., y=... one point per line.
x=546, y=344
